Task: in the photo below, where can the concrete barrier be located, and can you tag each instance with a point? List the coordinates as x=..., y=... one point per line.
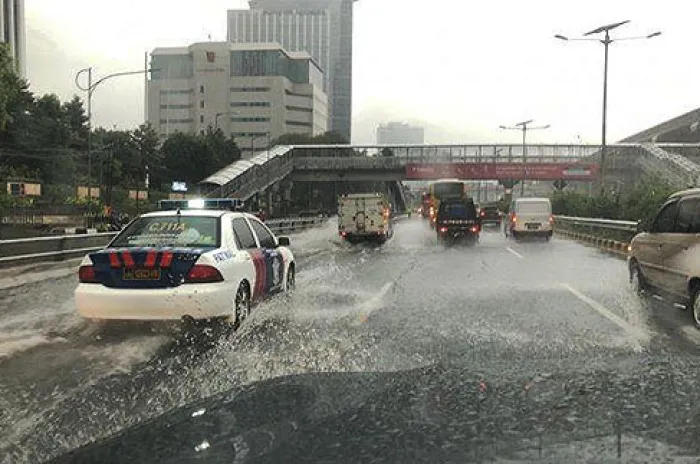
x=42, y=249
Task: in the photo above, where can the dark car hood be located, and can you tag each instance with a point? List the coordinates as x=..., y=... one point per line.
x=433, y=414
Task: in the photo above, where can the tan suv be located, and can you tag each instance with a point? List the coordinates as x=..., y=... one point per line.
x=665, y=256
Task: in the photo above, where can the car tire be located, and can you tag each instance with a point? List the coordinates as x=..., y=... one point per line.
x=290, y=281
x=637, y=282
x=694, y=306
x=241, y=305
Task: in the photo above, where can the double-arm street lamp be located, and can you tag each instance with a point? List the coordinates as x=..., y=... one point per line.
x=524, y=127
x=90, y=89
x=606, y=41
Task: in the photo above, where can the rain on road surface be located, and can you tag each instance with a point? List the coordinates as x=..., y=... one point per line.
x=539, y=340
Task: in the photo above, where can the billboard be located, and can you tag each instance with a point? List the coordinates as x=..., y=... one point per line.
x=501, y=171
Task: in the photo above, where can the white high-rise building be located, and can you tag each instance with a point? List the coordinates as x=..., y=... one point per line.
x=12, y=32
x=398, y=133
x=254, y=92
x=323, y=28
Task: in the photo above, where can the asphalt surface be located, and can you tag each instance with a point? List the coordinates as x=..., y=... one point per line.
x=547, y=353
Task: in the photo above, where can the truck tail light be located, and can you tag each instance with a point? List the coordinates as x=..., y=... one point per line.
x=201, y=273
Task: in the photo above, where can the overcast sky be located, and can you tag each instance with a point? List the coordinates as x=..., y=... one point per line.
x=461, y=68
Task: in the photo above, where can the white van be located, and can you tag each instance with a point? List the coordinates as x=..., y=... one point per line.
x=364, y=217
x=530, y=217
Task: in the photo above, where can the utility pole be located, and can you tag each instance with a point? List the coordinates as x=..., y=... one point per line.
x=524, y=127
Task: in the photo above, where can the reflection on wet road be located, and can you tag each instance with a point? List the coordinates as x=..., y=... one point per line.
x=499, y=314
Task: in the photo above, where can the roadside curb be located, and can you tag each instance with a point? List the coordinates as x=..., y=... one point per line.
x=615, y=247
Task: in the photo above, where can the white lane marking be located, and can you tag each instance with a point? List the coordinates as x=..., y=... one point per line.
x=515, y=253
x=638, y=334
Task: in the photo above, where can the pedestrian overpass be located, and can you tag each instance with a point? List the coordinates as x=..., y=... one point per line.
x=282, y=165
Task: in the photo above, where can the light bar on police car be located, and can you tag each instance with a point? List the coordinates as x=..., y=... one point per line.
x=200, y=203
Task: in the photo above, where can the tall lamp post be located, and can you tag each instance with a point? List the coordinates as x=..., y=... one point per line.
x=524, y=127
x=90, y=89
x=253, y=138
x=218, y=115
x=606, y=41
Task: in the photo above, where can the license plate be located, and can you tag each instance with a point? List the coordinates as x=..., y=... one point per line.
x=532, y=226
x=141, y=274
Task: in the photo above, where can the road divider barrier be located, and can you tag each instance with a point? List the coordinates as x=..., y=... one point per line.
x=606, y=234
x=41, y=249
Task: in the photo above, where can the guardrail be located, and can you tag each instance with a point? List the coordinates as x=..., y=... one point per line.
x=40, y=249
x=608, y=234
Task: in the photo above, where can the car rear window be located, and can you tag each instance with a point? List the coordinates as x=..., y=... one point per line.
x=458, y=210
x=533, y=207
x=173, y=231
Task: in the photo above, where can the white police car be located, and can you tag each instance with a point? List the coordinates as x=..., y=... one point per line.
x=189, y=263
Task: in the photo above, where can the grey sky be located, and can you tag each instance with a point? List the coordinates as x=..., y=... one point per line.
x=460, y=67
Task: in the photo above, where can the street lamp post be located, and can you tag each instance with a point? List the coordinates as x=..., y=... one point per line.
x=90, y=89
x=606, y=41
x=218, y=115
x=253, y=138
x=524, y=127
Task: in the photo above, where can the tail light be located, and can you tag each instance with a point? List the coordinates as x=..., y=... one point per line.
x=443, y=230
x=475, y=229
x=514, y=219
x=86, y=275
x=551, y=219
x=483, y=213
x=201, y=273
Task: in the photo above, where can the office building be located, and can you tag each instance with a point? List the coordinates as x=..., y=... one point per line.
x=255, y=92
x=323, y=28
x=12, y=32
x=398, y=133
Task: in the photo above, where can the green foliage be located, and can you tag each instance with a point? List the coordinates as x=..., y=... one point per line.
x=641, y=202
x=387, y=152
x=191, y=158
x=327, y=138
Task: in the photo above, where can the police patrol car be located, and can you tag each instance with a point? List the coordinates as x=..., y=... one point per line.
x=195, y=260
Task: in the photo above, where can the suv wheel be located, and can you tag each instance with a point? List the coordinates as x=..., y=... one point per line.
x=637, y=279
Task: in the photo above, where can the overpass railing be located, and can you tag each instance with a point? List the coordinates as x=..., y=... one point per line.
x=608, y=234
x=42, y=249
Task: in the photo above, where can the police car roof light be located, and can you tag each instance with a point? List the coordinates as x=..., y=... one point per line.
x=198, y=203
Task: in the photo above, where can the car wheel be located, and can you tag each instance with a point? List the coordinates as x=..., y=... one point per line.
x=637, y=281
x=241, y=305
x=695, y=306
x=291, y=283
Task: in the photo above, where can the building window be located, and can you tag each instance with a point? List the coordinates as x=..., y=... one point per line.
x=201, y=104
x=175, y=107
x=201, y=89
x=295, y=94
x=201, y=119
x=176, y=121
x=176, y=92
x=299, y=108
x=250, y=89
x=298, y=123
x=250, y=104
x=250, y=119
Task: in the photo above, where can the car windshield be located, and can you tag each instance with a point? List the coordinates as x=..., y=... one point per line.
x=170, y=231
x=408, y=231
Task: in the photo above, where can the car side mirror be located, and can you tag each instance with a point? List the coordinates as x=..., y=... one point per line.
x=641, y=226
x=283, y=241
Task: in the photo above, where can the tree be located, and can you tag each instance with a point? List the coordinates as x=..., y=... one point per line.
x=11, y=86
x=559, y=184
x=75, y=119
x=387, y=152
x=192, y=158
